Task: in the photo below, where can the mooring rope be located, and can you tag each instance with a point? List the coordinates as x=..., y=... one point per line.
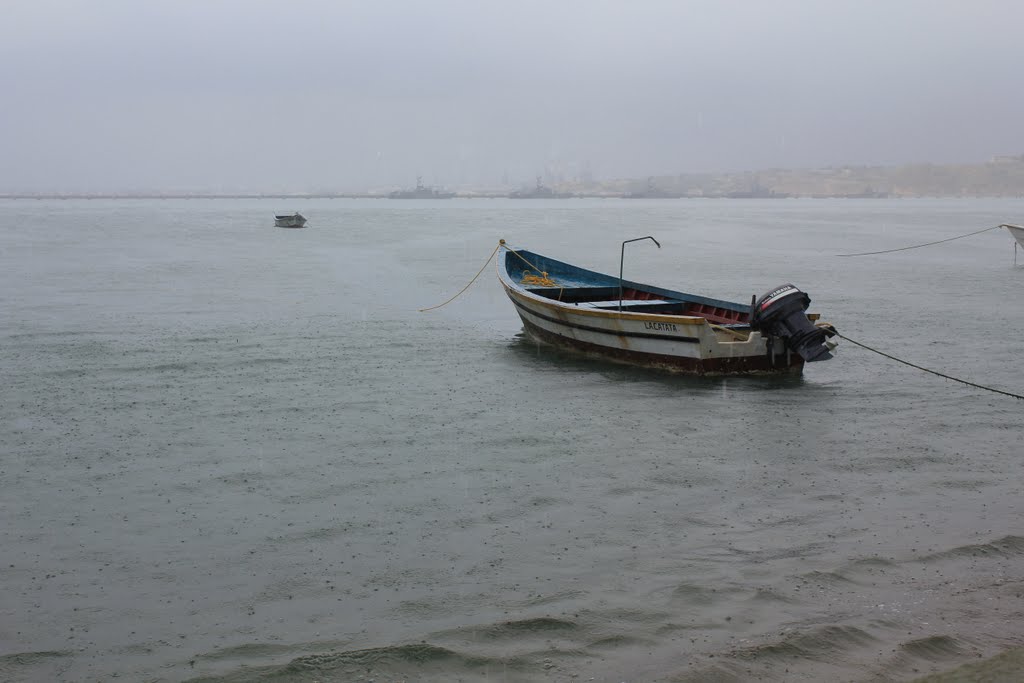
x=927, y=244
x=530, y=279
x=955, y=379
x=430, y=308
x=522, y=258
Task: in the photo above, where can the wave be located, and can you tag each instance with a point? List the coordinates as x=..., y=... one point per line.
x=1007, y=546
x=61, y=333
x=34, y=666
x=721, y=673
x=692, y=594
x=251, y=651
x=517, y=629
x=31, y=658
x=421, y=660
x=767, y=595
x=868, y=564
x=935, y=648
x=933, y=652
x=616, y=641
x=827, y=578
x=818, y=644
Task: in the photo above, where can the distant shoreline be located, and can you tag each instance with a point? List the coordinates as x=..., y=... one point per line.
x=299, y=197
x=1001, y=177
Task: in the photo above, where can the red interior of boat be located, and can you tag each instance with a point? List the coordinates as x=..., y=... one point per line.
x=723, y=316
x=637, y=295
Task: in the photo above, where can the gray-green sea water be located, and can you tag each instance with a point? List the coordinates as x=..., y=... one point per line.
x=231, y=452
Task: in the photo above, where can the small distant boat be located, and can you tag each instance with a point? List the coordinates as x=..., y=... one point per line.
x=601, y=315
x=296, y=220
x=1017, y=232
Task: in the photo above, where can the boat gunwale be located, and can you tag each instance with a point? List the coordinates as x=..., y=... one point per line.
x=692, y=320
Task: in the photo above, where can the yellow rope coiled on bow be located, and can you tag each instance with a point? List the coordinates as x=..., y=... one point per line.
x=529, y=278
x=542, y=280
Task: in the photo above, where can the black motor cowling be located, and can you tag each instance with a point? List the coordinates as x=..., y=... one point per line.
x=782, y=313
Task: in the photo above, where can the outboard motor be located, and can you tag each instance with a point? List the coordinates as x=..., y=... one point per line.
x=782, y=313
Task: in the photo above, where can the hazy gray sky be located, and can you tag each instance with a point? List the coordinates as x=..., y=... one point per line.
x=335, y=94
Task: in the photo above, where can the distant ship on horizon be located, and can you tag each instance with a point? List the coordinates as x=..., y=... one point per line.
x=653, y=192
x=421, y=192
x=541, y=191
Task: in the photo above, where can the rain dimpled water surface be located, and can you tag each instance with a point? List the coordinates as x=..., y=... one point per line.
x=230, y=452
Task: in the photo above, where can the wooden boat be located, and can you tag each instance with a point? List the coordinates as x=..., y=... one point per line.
x=296, y=220
x=601, y=315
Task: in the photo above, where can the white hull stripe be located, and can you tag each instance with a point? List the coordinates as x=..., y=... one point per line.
x=599, y=330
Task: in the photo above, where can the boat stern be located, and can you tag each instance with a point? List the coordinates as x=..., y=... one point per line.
x=782, y=312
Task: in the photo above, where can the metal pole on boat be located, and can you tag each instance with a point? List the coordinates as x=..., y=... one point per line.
x=622, y=257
